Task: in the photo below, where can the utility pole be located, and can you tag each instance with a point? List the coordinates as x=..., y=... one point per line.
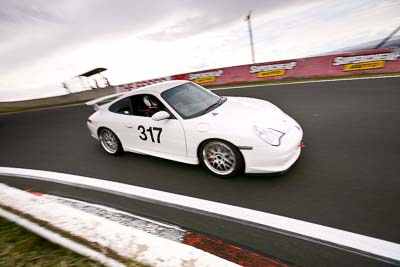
x=248, y=19
x=387, y=38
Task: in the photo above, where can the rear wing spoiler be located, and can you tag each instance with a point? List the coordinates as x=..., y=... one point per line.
x=103, y=100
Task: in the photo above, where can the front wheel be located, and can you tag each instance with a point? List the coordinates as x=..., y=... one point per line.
x=110, y=142
x=221, y=158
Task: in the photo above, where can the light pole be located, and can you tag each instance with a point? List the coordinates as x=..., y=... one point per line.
x=248, y=19
x=387, y=38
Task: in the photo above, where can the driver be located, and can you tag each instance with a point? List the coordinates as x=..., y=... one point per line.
x=152, y=104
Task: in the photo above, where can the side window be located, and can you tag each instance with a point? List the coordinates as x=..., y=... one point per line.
x=122, y=107
x=146, y=105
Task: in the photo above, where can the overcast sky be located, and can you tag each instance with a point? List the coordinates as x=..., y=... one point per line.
x=43, y=43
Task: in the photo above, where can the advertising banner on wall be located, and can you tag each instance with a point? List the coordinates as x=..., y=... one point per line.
x=239, y=74
x=135, y=85
x=272, y=70
x=205, y=77
x=365, y=62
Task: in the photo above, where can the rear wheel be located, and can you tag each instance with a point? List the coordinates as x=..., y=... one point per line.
x=110, y=142
x=221, y=158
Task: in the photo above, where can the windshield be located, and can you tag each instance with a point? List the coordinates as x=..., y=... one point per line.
x=191, y=100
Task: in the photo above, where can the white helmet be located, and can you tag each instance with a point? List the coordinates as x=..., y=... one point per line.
x=150, y=101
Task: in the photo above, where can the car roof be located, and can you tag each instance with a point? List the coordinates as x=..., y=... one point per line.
x=157, y=87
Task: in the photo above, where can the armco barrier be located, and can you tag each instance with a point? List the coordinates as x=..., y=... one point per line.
x=365, y=62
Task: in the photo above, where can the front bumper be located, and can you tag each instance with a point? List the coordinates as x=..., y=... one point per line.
x=273, y=159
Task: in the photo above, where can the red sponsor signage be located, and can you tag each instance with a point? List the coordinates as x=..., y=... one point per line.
x=372, y=61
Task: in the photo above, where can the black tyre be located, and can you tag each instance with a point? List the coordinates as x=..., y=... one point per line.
x=110, y=142
x=221, y=158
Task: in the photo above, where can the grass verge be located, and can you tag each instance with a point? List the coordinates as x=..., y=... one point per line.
x=296, y=80
x=10, y=110
x=107, y=252
x=19, y=247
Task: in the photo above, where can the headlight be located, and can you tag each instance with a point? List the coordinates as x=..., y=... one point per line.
x=268, y=135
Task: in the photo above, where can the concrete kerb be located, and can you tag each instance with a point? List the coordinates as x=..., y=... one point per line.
x=127, y=242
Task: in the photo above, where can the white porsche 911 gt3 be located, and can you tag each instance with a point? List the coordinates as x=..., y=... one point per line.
x=182, y=121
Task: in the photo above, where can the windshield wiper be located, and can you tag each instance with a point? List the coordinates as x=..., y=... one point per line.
x=215, y=105
x=220, y=101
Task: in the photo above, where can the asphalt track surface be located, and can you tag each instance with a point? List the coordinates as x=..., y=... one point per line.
x=348, y=176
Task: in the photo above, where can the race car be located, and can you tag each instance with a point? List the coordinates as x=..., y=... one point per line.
x=182, y=121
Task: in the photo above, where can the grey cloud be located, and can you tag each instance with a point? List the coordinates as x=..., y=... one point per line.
x=22, y=12
x=216, y=15
x=32, y=29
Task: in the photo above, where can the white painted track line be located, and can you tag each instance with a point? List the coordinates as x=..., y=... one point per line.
x=343, y=239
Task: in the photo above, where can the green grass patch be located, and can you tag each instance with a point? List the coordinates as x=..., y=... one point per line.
x=19, y=247
x=9, y=110
x=31, y=249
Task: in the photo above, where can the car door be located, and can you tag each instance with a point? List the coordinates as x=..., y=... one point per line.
x=119, y=113
x=143, y=134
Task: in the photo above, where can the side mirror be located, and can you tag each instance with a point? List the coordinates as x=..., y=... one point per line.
x=161, y=115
